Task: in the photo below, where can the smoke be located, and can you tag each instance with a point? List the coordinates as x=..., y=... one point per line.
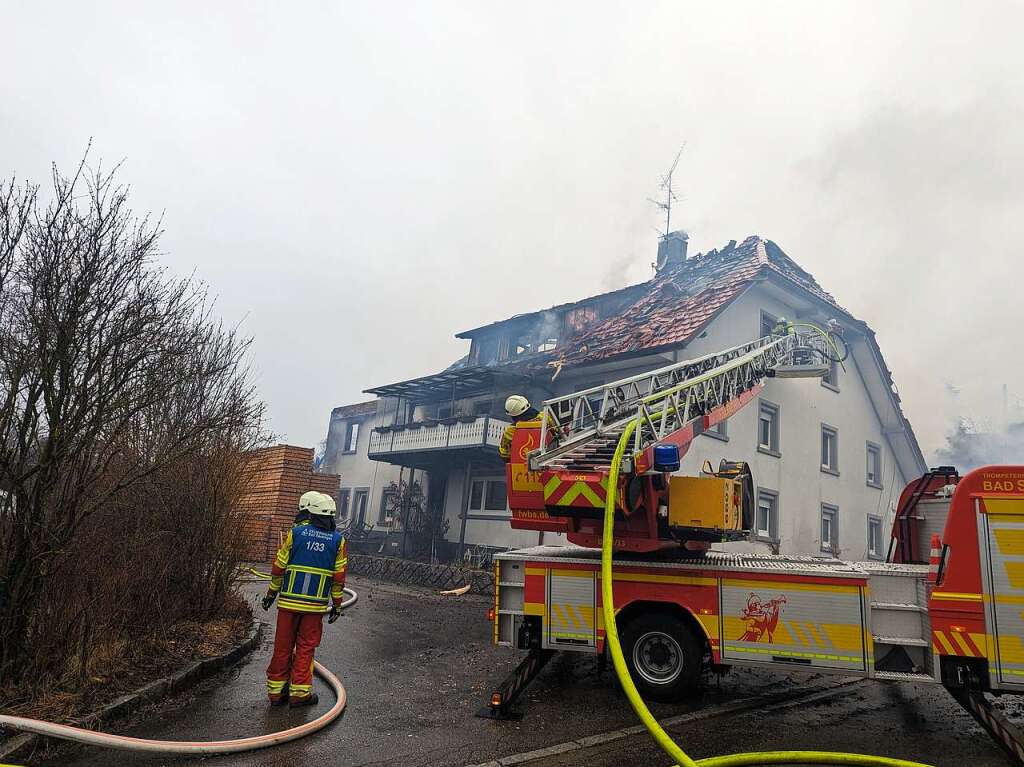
x=968, y=446
x=499, y=161
x=618, y=271
x=549, y=327
x=919, y=211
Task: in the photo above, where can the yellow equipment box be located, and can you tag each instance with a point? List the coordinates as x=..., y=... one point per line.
x=705, y=502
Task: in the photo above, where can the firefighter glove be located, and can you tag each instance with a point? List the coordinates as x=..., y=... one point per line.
x=268, y=600
x=334, y=613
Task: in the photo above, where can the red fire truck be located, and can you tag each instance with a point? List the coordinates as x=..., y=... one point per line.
x=944, y=608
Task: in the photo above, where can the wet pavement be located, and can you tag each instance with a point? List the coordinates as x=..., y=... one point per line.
x=417, y=666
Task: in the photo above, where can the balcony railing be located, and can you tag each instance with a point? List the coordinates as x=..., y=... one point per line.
x=480, y=431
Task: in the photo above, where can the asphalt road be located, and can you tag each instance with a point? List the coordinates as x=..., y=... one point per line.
x=417, y=666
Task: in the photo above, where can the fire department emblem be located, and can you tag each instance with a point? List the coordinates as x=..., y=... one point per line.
x=527, y=447
x=761, y=618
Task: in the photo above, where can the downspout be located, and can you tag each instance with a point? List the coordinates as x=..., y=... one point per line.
x=464, y=507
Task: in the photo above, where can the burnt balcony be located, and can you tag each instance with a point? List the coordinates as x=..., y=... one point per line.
x=428, y=441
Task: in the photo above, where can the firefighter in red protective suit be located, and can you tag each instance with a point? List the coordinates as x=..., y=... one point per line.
x=309, y=575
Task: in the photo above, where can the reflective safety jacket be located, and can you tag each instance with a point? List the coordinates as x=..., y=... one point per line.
x=309, y=569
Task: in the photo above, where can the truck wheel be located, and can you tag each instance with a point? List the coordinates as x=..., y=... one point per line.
x=663, y=656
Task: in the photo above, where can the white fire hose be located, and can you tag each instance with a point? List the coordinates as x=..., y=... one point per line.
x=197, y=747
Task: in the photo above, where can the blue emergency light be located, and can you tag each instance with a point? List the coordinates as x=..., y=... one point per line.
x=666, y=458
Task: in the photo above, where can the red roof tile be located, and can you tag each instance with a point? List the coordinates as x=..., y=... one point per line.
x=681, y=300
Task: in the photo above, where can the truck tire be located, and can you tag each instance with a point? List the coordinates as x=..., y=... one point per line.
x=663, y=655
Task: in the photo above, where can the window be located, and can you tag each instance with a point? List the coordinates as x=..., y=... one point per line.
x=359, y=506
x=829, y=449
x=766, y=524
x=488, y=495
x=768, y=323
x=768, y=429
x=829, y=528
x=388, y=501
x=487, y=349
x=831, y=379
x=482, y=407
x=578, y=319
x=874, y=469
x=352, y=437
x=343, y=496
x=874, y=537
x=719, y=431
x=497, y=499
x=547, y=344
x=519, y=343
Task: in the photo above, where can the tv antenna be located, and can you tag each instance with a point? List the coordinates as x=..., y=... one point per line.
x=670, y=196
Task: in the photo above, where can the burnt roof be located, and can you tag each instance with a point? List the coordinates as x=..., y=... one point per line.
x=681, y=300
x=453, y=383
x=638, y=288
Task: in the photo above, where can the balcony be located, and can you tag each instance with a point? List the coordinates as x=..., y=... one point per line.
x=431, y=441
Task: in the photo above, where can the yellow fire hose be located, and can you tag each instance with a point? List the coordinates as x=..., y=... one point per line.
x=195, y=748
x=669, y=746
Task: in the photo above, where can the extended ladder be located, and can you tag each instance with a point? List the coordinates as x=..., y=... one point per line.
x=580, y=430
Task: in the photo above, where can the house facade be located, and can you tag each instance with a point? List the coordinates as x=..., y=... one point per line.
x=829, y=456
x=364, y=482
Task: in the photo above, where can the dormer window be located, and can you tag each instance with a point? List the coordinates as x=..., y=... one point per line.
x=580, y=318
x=487, y=350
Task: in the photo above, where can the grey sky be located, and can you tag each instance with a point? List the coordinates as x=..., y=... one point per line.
x=358, y=182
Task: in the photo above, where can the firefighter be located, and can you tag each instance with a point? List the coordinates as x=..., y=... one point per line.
x=783, y=327
x=518, y=408
x=309, y=574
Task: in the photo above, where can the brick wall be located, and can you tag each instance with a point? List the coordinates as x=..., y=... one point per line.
x=276, y=478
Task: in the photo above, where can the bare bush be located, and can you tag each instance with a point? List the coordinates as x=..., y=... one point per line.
x=124, y=409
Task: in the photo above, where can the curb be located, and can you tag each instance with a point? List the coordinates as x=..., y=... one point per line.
x=153, y=692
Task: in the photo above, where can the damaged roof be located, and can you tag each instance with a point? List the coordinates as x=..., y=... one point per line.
x=681, y=300
x=627, y=292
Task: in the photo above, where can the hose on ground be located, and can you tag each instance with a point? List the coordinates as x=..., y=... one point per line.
x=663, y=739
x=106, y=740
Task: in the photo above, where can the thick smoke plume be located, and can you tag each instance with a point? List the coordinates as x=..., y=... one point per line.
x=968, y=447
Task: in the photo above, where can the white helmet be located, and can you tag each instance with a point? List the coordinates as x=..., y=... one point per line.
x=516, y=405
x=313, y=502
x=329, y=507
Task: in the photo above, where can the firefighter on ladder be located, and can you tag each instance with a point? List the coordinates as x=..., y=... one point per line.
x=309, y=575
x=518, y=408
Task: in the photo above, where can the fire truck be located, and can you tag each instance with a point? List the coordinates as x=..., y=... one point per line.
x=944, y=608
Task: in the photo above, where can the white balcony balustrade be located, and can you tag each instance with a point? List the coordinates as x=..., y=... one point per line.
x=479, y=431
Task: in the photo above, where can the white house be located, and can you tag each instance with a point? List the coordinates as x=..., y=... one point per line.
x=829, y=457
x=363, y=481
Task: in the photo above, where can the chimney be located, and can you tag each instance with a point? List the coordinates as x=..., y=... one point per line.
x=672, y=249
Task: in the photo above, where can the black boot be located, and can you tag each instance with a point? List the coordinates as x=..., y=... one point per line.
x=280, y=699
x=305, y=700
